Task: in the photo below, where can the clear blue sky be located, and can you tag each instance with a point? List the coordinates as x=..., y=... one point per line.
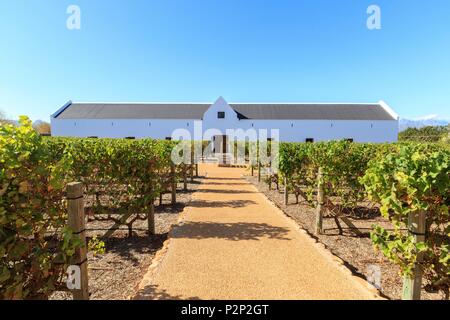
x=245, y=51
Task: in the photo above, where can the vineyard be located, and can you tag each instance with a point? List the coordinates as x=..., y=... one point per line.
x=121, y=179
x=407, y=183
x=402, y=181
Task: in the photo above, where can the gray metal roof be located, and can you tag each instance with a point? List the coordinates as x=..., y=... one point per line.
x=133, y=111
x=311, y=111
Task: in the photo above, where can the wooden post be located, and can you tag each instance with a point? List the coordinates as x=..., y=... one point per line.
x=251, y=166
x=77, y=223
x=320, y=203
x=412, y=285
x=286, y=194
x=196, y=170
x=270, y=176
x=173, y=183
x=259, y=171
x=185, y=178
x=191, y=167
x=151, y=216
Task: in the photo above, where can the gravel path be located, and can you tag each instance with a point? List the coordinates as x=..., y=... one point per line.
x=116, y=274
x=234, y=244
x=356, y=250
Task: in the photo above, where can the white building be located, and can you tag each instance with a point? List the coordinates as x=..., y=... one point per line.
x=296, y=122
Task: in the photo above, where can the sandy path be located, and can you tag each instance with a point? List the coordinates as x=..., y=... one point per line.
x=234, y=244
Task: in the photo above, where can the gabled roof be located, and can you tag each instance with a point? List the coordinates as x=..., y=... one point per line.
x=265, y=111
x=312, y=111
x=133, y=111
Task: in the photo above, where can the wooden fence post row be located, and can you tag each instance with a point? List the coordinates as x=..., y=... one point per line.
x=77, y=224
x=412, y=285
x=320, y=203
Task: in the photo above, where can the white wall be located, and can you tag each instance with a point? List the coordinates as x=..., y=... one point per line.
x=325, y=130
x=115, y=128
x=289, y=130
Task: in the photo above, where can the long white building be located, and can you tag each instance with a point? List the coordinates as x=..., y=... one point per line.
x=295, y=122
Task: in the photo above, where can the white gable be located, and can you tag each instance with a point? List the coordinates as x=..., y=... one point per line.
x=211, y=116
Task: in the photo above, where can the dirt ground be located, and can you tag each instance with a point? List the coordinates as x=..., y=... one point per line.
x=356, y=250
x=116, y=274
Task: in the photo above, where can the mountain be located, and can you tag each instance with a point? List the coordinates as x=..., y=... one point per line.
x=430, y=120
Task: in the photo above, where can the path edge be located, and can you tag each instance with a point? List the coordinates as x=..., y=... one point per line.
x=323, y=249
x=160, y=255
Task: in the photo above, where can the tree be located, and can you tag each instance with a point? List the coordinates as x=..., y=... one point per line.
x=3, y=119
x=446, y=137
x=425, y=134
x=42, y=127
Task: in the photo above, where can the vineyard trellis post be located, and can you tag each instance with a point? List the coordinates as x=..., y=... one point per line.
x=185, y=169
x=191, y=167
x=286, y=194
x=151, y=215
x=77, y=223
x=320, y=203
x=173, y=184
x=259, y=171
x=412, y=285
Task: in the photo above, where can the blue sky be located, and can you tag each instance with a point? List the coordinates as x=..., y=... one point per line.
x=245, y=51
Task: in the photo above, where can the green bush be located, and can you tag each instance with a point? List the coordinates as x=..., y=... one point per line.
x=402, y=178
x=120, y=176
x=416, y=178
x=425, y=134
x=35, y=244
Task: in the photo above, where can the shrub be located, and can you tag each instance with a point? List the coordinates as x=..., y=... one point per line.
x=35, y=244
x=413, y=179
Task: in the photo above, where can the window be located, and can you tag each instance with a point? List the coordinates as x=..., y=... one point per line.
x=221, y=115
x=168, y=138
x=309, y=140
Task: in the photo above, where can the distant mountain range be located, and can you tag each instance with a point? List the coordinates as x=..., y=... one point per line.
x=430, y=120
